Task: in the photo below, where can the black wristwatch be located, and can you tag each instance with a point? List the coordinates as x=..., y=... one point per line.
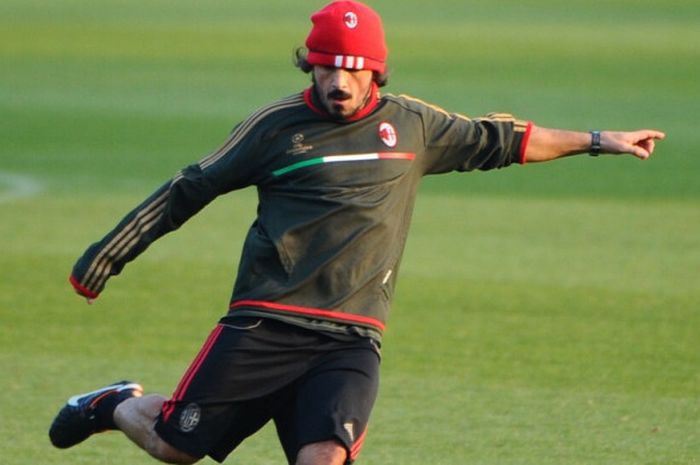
x=595, y=144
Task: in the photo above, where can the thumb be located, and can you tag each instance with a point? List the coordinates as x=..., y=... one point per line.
x=645, y=145
x=642, y=149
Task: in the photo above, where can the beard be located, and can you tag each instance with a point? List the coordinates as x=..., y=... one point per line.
x=335, y=100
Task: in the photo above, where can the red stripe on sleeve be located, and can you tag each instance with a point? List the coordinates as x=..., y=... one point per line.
x=523, y=144
x=82, y=290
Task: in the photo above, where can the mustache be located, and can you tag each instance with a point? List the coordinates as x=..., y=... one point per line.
x=338, y=94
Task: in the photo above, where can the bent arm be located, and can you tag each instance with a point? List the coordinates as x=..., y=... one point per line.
x=549, y=144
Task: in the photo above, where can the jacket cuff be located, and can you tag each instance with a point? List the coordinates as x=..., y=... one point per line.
x=524, y=142
x=82, y=290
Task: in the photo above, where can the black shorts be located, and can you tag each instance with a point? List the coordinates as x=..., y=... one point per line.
x=253, y=370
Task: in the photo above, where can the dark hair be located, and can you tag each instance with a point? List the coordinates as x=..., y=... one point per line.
x=302, y=63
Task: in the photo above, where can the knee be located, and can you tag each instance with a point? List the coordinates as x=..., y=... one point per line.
x=322, y=453
x=136, y=417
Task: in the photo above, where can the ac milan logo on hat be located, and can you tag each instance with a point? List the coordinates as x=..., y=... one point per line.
x=350, y=19
x=347, y=28
x=388, y=135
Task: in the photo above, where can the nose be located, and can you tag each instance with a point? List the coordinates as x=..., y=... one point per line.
x=339, y=78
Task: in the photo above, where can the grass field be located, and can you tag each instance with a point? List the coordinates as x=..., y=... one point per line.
x=546, y=314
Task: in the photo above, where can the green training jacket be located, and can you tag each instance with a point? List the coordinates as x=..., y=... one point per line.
x=335, y=203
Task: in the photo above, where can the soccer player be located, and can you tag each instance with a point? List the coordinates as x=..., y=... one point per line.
x=336, y=167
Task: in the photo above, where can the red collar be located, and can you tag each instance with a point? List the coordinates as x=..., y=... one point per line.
x=312, y=102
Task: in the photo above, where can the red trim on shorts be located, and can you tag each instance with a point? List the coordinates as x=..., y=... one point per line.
x=309, y=311
x=357, y=446
x=523, y=144
x=169, y=406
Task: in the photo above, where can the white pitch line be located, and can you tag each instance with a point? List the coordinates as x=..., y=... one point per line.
x=16, y=186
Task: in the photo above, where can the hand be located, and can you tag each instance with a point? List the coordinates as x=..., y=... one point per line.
x=637, y=143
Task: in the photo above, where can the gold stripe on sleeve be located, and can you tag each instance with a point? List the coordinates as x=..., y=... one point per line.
x=97, y=266
x=242, y=130
x=124, y=241
x=434, y=107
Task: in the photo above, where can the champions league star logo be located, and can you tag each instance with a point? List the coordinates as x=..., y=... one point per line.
x=298, y=146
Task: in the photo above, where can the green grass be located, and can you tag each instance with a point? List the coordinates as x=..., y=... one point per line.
x=546, y=314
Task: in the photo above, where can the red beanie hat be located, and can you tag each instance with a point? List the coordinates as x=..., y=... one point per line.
x=347, y=34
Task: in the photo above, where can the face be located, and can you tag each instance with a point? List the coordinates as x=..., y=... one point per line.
x=342, y=91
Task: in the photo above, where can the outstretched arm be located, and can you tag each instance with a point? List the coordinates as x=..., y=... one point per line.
x=164, y=211
x=548, y=144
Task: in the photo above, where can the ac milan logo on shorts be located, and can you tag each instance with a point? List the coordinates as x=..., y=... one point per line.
x=388, y=135
x=189, y=418
x=350, y=19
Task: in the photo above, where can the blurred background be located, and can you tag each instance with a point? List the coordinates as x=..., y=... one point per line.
x=545, y=314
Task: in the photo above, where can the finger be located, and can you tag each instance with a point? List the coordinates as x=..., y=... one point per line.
x=648, y=145
x=652, y=134
x=638, y=149
x=640, y=152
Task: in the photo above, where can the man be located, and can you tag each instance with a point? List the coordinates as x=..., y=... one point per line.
x=336, y=167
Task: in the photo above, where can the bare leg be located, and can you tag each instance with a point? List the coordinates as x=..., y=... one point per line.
x=136, y=418
x=322, y=453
